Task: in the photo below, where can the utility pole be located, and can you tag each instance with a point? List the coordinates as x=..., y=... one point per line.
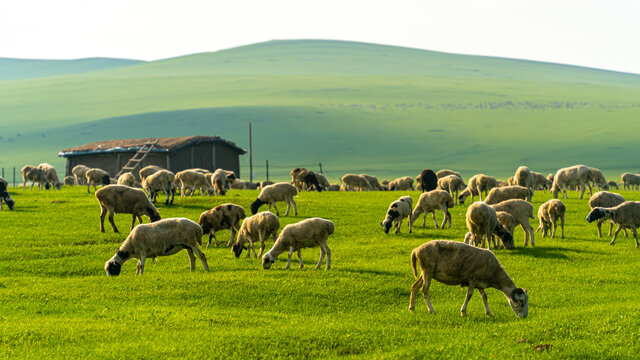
x=250, y=156
x=267, y=170
x=320, y=164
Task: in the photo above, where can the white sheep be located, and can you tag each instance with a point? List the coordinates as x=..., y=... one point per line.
x=630, y=181
x=397, y=211
x=446, y=172
x=51, y=175
x=482, y=222
x=221, y=217
x=148, y=170
x=95, y=177
x=35, y=175
x=189, y=181
x=605, y=199
x=255, y=228
x=596, y=178
x=127, y=179
x=219, y=181
x=499, y=194
x=476, y=186
x=161, y=180
x=277, y=192
x=79, y=172
x=404, y=183
x=162, y=238
x=524, y=177
x=355, y=182
x=625, y=215
x=548, y=214
x=431, y=201
x=304, y=234
x=577, y=175
x=455, y=263
x=522, y=211
x=373, y=181
x=451, y=184
x=541, y=182
x=123, y=199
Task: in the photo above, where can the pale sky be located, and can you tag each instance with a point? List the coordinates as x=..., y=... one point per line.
x=600, y=34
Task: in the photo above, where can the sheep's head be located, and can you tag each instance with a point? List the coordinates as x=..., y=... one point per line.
x=388, y=221
x=255, y=206
x=153, y=214
x=267, y=261
x=555, y=190
x=519, y=301
x=204, y=223
x=47, y=186
x=238, y=246
x=505, y=236
x=605, y=186
x=106, y=180
x=114, y=265
x=598, y=213
x=9, y=202
x=462, y=197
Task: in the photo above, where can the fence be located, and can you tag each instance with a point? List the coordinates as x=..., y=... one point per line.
x=12, y=183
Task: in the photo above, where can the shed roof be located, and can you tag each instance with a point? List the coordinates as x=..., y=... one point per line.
x=164, y=145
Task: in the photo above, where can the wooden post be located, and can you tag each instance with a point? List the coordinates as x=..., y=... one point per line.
x=267, y=170
x=320, y=164
x=14, y=176
x=3, y=173
x=250, y=156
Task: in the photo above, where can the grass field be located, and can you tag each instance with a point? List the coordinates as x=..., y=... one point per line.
x=57, y=302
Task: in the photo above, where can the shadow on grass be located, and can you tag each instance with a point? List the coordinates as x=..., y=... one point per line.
x=552, y=252
x=375, y=272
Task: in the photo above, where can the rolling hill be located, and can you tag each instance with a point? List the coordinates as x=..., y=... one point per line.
x=15, y=69
x=354, y=107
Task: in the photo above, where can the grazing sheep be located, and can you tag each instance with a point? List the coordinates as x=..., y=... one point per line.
x=51, y=175
x=596, y=178
x=123, y=199
x=4, y=195
x=237, y=184
x=297, y=177
x=161, y=180
x=221, y=217
x=540, y=182
x=482, y=222
x=191, y=180
x=455, y=263
x=306, y=233
x=431, y=201
x=477, y=185
x=548, y=214
x=277, y=192
x=397, y=211
x=507, y=221
x=257, y=227
x=373, y=181
x=96, y=176
x=334, y=187
x=355, y=182
x=148, y=170
x=452, y=184
x=220, y=181
x=428, y=180
x=625, y=215
x=521, y=211
x=162, y=238
x=35, y=175
x=401, y=184
x=127, y=179
x=79, y=174
x=524, y=177
x=577, y=175
x=500, y=194
x=613, y=184
x=630, y=181
x=605, y=199
x=446, y=172
x=321, y=180
x=69, y=180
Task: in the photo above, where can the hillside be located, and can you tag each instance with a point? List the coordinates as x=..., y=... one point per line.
x=14, y=69
x=354, y=107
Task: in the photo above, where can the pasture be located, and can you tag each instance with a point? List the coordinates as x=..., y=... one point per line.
x=57, y=302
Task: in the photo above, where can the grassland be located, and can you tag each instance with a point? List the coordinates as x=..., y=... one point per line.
x=57, y=302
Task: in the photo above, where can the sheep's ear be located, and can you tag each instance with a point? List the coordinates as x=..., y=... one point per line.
x=525, y=290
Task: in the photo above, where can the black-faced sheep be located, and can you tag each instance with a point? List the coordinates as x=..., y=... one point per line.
x=304, y=234
x=273, y=193
x=161, y=180
x=605, y=199
x=577, y=175
x=397, y=211
x=500, y=194
x=548, y=214
x=477, y=185
x=4, y=195
x=431, y=201
x=51, y=175
x=625, y=215
x=428, y=180
x=96, y=177
x=255, y=228
x=122, y=199
x=35, y=175
x=79, y=174
x=221, y=217
x=455, y=263
x=127, y=179
x=630, y=181
x=482, y=222
x=162, y=238
x=451, y=184
x=522, y=211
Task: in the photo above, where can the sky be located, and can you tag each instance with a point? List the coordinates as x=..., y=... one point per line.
x=599, y=34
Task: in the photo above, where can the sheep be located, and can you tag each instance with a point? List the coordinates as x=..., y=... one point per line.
x=482, y=222
x=221, y=217
x=373, y=181
x=95, y=177
x=4, y=195
x=625, y=215
x=334, y=187
x=256, y=227
x=452, y=184
x=69, y=180
x=477, y=184
x=613, y=184
x=499, y=194
x=548, y=214
x=397, y=211
x=191, y=180
x=277, y=192
x=540, y=182
x=161, y=180
x=511, y=181
x=5, y=182
x=79, y=172
x=148, y=170
x=251, y=186
x=630, y=181
x=577, y=175
x=123, y=199
x=306, y=233
x=596, y=178
x=428, y=180
x=219, y=181
x=34, y=174
x=401, y=184
x=162, y=238
x=455, y=263
x=356, y=182
x=301, y=177
x=237, y=184
x=605, y=199
x=51, y=175
x=507, y=221
x=446, y=172
x=521, y=211
x=127, y=179
x=550, y=177
x=322, y=181
x=431, y=201
x=524, y=177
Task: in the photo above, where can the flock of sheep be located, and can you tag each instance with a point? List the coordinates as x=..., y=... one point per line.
x=506, y=205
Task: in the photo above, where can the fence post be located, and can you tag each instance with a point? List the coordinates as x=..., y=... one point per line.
x=14, y=176
x=320, y=164
x=267, y=170
x=3, y=173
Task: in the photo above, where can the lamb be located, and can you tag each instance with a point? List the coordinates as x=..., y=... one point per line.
x=521, y=211
x=477, y=185
x=127, y=179
x=221, y=217
x=162, y=238
x=79, y=172
x=613, y=184
x=4, y=195
x=96, y=176
x=456, y=263
x=257, y=227
x=356, y=182
x=35, y=175
x=548, y=214
x=605, y=199
x=577, y=175
x=401, y=184
x=452, y=184
x=161, y=180
x=397, y=211
x=69, y=180
x=277, y=192
x=625, y=215
x=123, y=199
x=482, y=222
x=446, y=172
x=499, y=194
x=630, y=181
x=219, y=181
x=596, y=178
x=148, y=170
x=306, y=233
x=540, y=181
x=373, y=181
x=51, y=175
x=524, y=177
x=191, y=180
x=431, y=201
x=428, y=180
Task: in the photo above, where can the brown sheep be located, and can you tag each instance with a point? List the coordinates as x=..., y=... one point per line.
x=548, y=214
x=123, y=199
x=221, y=217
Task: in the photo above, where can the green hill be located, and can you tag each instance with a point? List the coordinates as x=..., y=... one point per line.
x=14, y=69
x=354, y=107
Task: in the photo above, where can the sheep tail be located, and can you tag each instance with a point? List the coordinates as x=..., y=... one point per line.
x=414, y=259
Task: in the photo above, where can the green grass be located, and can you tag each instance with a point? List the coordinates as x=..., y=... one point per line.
x=56, y=301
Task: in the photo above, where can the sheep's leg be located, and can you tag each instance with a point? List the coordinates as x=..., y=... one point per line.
x=484, y=300
x=463, y=309
x=599, y=225
x=113, y=224
x=251, y=247
x=192, y=259
x=554, y=223
x=233, y=235
x=433, y=214
x=398, y=224
x=635, y=235
x=138, y=268
x=88, y=187
x=321, y=258
x=103, y=213
x=295, y=208
x=143, y=258
x=300, y=259
x=424, y=220
x=447, y=218
x=409, y=223
x=414, y=292
x=530, y=231
x=277, y=212
x=289, y=258
x=425, y=292
x=488, y=239
x=615, y=235
x=133, y=221
x=562, y=225
x=213, y=234
x=202, y=258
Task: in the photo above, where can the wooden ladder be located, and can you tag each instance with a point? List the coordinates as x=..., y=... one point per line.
x=136, y=160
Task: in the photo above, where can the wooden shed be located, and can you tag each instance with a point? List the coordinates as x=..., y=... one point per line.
x=174, y=154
